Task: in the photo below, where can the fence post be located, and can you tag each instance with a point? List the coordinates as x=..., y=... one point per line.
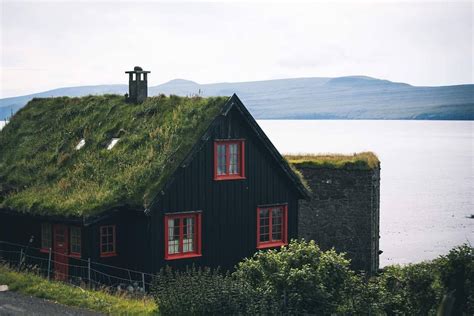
x=89, y=271
x=21, y=259
x=49, y=262
x=143, y=281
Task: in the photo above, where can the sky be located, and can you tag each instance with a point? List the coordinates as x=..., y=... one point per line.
x=47, y=45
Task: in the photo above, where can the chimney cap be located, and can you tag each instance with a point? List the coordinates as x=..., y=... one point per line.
x=137, y=70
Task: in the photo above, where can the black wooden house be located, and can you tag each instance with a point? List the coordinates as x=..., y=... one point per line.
x=167, y=181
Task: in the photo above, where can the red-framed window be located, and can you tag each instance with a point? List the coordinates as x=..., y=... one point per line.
x=75, y=243
x=229, y=159
x=272, y=226
x=46, y=237
x=107, y=241
x=182, y=235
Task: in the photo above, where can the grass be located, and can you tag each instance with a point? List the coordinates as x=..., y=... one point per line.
x=34, y=285
x=357, y=161
x=42, y=173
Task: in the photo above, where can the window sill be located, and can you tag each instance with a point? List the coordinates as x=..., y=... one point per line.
x=271, y=245
x=75, y=255
x=223, y=178
x=108, y=254
x=44, y=250
x=183, y=256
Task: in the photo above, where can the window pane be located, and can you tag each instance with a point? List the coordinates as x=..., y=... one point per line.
x=173, y=235
x=188, y=234
x=277, y=223
x=264, y=225
x=221, y=159
x=75, y=240
x=233, y=159
x=45, y=235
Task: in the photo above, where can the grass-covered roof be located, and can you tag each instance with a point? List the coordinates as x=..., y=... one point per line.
x=42, y=172
x=357, y=161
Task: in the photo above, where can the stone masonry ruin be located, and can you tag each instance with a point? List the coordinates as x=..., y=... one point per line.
x=343, y=212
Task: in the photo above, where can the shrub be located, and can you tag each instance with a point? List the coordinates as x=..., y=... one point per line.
x=365, y=296
x=411, y=290
x=302, y=279
x=299, y=278
x=198, y=291
x=457, y=276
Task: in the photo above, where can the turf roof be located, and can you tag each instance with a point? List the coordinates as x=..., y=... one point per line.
x=42, y=172
x=357, y=161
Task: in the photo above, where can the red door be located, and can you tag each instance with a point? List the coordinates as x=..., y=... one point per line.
x=61, y=260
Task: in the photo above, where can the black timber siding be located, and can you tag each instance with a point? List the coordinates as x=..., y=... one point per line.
x=131, y=228
x=131, y=242
x=229, y=207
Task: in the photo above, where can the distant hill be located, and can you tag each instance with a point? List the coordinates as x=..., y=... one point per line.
x=355, y=97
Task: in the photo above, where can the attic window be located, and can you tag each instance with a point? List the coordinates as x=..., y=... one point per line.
x=112, y=143
x=81, y=144
x=229, y=159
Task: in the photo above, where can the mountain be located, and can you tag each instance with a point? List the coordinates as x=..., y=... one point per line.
x=353, y=97
x=11, y=105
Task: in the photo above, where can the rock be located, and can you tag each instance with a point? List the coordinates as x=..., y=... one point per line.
x=3, y=288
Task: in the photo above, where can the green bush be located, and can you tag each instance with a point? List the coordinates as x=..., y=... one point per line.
x=302, y=279
x=299, y=278
x=457, y=276
x=198, y=291
x=410, y=290
x=418, y=289
x=364, y=296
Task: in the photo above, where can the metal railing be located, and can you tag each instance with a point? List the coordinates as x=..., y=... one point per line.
x=80, y=272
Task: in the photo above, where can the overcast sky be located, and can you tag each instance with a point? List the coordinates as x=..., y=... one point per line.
x=46, y=45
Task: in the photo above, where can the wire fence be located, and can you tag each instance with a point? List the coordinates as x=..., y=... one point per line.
x=74, y=270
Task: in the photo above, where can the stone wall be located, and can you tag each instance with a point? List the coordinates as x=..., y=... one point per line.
x=344, y=213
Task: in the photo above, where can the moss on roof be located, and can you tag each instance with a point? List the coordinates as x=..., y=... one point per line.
x=300, y=177
x=42, y=172
x=357, y=161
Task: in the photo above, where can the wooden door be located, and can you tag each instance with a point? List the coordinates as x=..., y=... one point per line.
x=61, y=260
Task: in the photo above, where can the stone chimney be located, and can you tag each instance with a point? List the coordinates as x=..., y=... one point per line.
x=137, y=85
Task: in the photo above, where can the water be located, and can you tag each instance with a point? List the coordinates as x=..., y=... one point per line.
x=427, y=177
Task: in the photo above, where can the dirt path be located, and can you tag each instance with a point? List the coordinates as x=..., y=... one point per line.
x=12, y=303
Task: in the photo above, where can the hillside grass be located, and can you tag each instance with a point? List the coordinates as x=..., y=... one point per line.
x=100, y=301
x=357, y=161
x=41, y=172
